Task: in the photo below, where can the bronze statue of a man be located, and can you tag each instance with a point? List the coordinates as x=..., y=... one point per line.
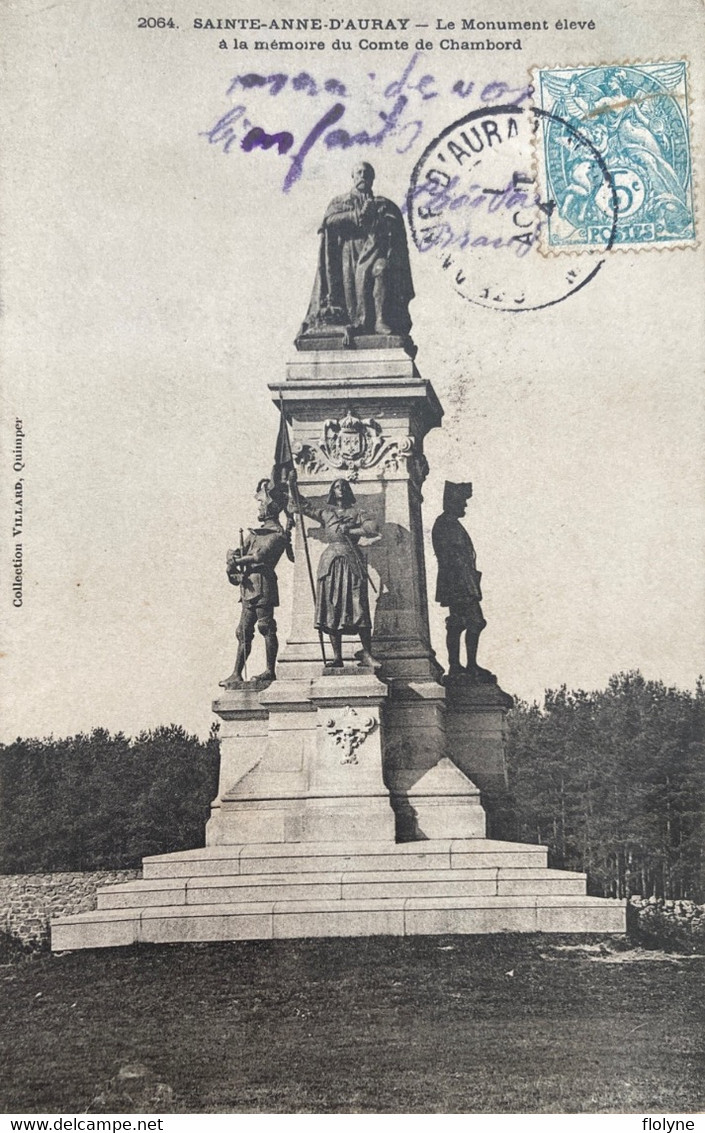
x=458, y=585
x=252, y=567
x=363, y=281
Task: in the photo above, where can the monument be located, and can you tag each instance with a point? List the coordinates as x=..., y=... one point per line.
x=357, y=779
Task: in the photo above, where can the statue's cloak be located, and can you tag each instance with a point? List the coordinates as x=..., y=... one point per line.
x=353, y=251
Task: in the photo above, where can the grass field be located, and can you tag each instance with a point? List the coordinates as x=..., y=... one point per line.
x=506, y=1024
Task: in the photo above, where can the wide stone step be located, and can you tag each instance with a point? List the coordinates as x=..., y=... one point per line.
x=333, y=857
x=267, y=920
x=501, y=881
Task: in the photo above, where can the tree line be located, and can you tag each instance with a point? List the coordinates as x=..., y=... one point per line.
x=102, y=801
x=612, y=781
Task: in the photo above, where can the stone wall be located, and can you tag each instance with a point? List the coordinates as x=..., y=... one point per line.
x=27, y=901
x=674, y=925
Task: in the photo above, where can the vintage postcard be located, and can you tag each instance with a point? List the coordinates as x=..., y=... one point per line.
x=265, y=267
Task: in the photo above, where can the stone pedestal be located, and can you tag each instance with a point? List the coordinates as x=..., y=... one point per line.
x=476, y=732
x=348, y=755
x=440, y=803
x=348, y=798
x=306, y=762
x=363, y=414
x=243, y=734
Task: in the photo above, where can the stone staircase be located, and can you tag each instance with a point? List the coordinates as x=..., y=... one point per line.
x=276, y=891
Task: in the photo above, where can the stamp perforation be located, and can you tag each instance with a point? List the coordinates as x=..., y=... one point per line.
x=538, y=159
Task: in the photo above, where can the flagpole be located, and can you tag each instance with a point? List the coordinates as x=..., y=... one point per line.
x=242, y=599
x=297, y=501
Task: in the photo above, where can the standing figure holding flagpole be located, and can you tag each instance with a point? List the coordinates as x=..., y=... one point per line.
x=342, y=598
x=340, y=593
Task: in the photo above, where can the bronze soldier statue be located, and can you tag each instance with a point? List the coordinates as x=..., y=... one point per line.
x=458, y=585
x=252, y=567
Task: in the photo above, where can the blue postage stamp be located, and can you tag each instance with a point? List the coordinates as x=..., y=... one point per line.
x=613, y=156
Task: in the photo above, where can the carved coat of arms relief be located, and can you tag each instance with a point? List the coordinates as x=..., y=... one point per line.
x=347, y=731
x=353, y=444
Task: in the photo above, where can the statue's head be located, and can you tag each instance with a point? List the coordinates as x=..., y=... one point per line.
x=455, y=498
x=271, y=498
x=363, y=176
x=341, y=494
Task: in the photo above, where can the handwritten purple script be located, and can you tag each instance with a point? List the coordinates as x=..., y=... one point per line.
x=434, y=199
x=398, y=121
